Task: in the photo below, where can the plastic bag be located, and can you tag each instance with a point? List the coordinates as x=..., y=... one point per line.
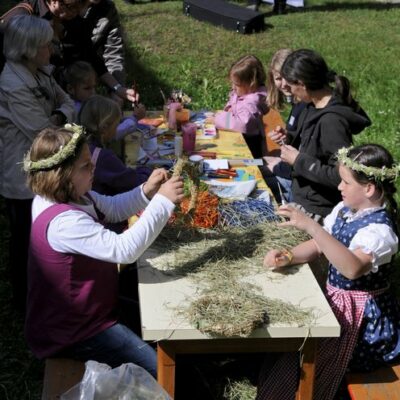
x=126, y=382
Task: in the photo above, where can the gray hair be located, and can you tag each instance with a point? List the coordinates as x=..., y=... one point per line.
x=24, y=35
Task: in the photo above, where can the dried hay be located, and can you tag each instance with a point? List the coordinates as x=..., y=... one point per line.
x=237, y=308
x=240, y=390
x=217, y=260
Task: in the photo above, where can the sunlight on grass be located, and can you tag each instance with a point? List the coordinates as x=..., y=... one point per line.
x=166, y=49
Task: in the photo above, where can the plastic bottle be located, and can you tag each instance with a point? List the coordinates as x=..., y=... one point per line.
x=178, y=145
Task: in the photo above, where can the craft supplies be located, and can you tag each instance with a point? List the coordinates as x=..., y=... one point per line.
x=178, y=144
x=172, y=109
x=245, y=162
x=205, y=154
x=208, y=132
x=151, y=121
x=245, y=213
x=205, y=213
x=198, y=162
x=231, y=189
x=189, y=136
x=226, y=304
x=283, y=201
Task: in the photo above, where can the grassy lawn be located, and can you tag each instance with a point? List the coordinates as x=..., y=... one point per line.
x=166, y=50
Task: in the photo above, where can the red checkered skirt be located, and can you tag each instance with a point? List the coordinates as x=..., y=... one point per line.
x=333, y=355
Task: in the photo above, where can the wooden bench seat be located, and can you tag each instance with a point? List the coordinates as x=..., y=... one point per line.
x=60, y=375
x=383, y=384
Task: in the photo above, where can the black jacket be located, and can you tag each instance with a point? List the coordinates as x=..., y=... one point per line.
x=319, y=135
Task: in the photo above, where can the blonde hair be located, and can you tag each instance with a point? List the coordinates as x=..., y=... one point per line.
x=55, y=183
x=98, y=113
x=249, y=70
x=275, y=97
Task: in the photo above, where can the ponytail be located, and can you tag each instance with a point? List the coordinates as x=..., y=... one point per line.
x=343, y=89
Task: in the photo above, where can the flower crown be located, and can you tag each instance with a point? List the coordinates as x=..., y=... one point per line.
x=379, y=174
x=62, y=154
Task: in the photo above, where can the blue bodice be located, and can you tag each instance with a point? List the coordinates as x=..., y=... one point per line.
x=344, y=231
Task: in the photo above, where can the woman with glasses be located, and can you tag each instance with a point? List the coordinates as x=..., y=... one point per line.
x=30, y=100
x=73, y=40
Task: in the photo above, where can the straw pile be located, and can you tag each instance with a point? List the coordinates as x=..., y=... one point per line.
x=217, y=260
x=240, y=390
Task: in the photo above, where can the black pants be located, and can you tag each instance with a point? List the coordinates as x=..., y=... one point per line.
x=20, y=219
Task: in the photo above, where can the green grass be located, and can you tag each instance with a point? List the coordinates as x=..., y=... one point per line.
x=168, y=50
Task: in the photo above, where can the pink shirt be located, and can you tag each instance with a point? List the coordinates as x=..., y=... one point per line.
x=244, y=113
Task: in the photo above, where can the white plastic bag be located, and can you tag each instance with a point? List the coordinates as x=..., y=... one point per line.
x=126, y=382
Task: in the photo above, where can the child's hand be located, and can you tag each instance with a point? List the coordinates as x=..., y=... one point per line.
x=289, y=154
x=278, y=135
x=139, y=111
x=173, y=189
x=296, y=218
x=277, y=258
x=272, y=162
x=153, y=184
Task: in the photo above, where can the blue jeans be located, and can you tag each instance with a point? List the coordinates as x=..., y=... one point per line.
x=115, y=346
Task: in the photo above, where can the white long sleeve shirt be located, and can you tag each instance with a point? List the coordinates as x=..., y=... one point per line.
x=78, y=232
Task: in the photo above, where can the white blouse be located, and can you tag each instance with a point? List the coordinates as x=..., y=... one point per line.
x=76, y=232
x=379, y=240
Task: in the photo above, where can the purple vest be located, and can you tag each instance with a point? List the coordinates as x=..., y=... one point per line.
x=71, y=297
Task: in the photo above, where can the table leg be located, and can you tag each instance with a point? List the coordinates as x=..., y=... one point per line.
x=307, y=373
x=166, y=367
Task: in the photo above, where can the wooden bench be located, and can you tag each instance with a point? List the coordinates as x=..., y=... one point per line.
x=383, y=384
x=60, y=375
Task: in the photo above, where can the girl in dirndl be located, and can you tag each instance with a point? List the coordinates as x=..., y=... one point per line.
x=359, y=239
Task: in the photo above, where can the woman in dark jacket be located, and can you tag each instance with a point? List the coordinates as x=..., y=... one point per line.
x=327, y=123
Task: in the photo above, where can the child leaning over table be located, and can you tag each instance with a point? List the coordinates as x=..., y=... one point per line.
x=72, y=270
x=80, y=83
x=247, y=104
x=100, y=117
x=359, y=239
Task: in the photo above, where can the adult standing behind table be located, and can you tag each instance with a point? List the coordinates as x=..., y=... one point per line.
x=107, y=36
x=53, y=10
x=327, y=123
x=72, y=39
x=30, y=100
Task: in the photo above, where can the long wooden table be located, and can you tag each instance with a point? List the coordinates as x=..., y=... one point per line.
x=160, y=295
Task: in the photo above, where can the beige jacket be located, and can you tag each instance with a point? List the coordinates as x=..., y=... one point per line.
x=26, y=105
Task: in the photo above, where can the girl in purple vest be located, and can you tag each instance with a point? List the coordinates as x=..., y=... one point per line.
x=359, y=239
x=72, y=268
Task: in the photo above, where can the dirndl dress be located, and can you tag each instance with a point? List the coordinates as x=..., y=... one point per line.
x=369, y=316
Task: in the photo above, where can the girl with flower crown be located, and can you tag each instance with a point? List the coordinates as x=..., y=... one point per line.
x=72, y=268
x=359, y=239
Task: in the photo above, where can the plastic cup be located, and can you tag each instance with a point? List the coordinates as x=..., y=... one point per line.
x=189, y=136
